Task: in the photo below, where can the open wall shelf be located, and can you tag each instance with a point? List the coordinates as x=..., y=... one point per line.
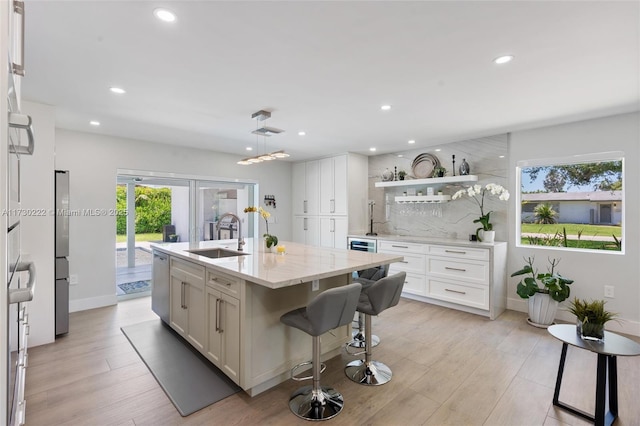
x=428, y=181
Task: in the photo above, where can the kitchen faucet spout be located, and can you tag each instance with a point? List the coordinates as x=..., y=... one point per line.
x=240, y=239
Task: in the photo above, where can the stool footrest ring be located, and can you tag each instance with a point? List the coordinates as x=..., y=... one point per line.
x=323, y=367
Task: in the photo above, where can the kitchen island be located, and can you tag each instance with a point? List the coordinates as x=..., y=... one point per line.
x=227, y=304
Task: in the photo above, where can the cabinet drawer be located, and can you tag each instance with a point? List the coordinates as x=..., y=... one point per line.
x=413, y=284
x=476, y=296
x=223, y=282
x=465, y=270
x=401, y=247
x=459, y=252
x=187, y=272
x=411, y=263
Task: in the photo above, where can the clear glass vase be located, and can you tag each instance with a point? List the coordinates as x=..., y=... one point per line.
x=590, y=331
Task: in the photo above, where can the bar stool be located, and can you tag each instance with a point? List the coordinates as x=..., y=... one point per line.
x=367, y=277
x=382, y=295
x=330, y=309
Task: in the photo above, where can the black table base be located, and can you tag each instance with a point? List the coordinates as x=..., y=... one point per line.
x=606, y=364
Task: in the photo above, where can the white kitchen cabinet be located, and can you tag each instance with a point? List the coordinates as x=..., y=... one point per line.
x=341, y=184
x=187, y=301
x=461, y=277
x=223, y=323
x=305, y=188
x=333, y=185
x=333, y=232
x=306, y=230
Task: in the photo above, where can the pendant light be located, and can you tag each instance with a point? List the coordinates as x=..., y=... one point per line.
x=263, y=131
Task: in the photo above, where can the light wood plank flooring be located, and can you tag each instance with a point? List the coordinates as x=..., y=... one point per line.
x=450, y=368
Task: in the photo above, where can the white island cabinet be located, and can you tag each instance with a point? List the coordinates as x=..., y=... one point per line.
x=235, y=322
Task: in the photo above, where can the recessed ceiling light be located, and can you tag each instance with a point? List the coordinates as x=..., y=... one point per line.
x=164, y=15
x=302, y=133
x=400, y=155
x=501, y=156
x=118, y=90
x=503, y=59
x=438, y=150
x=385, y=107
x=372, y=149
x=412, y=141
x=94, y=123
x=249, y=148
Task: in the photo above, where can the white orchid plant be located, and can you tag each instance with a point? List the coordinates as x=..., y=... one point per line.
x=477, y=190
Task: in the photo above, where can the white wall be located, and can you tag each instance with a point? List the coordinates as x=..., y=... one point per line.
x=37, y=232
x=92, y=161
x=591, y=271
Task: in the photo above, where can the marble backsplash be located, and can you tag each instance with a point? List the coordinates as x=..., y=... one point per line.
x=487, y=158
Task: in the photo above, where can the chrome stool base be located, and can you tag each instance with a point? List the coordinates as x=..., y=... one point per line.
x=358, y=340
x=373, y=373
x=309, y=404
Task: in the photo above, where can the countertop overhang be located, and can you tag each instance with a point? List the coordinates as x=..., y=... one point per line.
x=301, y=263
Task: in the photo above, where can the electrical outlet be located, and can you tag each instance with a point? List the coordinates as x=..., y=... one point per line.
x=608, y=291
x=315, y=285
x=73, y=279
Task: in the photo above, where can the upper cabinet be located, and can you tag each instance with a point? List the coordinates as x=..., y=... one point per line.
x=333, y=185
x=305, y=186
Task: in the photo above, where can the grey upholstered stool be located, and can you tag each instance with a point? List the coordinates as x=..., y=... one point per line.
x=382, y=295
x=330, y=309
x=367, y=277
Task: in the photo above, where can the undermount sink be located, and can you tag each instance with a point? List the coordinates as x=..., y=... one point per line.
x=216, y=253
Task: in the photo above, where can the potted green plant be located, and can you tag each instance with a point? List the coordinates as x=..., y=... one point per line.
x=590, y=318
x=401, y=174
x=543, y=290
x=439, y=171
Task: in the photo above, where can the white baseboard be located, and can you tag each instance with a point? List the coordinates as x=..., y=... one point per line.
x=625, y=326
x=92, y=303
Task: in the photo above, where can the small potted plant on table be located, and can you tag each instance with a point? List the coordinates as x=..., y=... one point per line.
x=591, y=317
x=543, y=290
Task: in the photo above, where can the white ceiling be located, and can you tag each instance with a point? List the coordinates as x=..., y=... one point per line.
x=327, y=67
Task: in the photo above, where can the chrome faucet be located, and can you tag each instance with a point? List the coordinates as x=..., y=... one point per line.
x=240, y=239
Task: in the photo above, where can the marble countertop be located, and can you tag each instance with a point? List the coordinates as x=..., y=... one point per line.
x=301, y=263
x=428, y=240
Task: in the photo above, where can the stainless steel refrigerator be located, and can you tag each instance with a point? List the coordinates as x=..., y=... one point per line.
x=62, y=252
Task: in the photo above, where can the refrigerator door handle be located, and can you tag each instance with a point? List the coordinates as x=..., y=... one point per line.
x=18, y=295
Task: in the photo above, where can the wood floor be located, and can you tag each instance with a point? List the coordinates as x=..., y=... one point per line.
x=449, y=368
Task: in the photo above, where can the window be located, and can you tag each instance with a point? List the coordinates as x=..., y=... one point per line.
x=574, y=203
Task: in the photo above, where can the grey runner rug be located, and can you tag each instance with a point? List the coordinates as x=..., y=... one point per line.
x=190, y=381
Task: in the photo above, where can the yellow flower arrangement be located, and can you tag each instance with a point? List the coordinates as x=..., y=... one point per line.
x=271, y=240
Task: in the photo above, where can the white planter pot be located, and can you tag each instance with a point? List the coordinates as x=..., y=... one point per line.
x=487, y=236
x=542, y=310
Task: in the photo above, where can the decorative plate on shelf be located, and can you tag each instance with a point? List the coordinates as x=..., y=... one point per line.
x=423, y=165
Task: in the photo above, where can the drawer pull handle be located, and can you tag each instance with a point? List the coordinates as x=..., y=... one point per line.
x=455, y=269
x=455, y=291
x=404, y=261
x=455, y=251
x=406, y=247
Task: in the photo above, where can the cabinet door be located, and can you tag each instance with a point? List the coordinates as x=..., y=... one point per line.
x=326, y=187
x=195, y=314
x=178, y=314
x=340, y=184
x=333, y=185
x=312, y=187
x=306, y=230
x=230, y=334
x=299, y=187
x=333, y=232
x=214, y=342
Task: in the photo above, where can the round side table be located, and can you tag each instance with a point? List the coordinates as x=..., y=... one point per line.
x=614, y=345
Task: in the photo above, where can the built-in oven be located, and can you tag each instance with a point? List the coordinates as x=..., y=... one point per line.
x=362, y=244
